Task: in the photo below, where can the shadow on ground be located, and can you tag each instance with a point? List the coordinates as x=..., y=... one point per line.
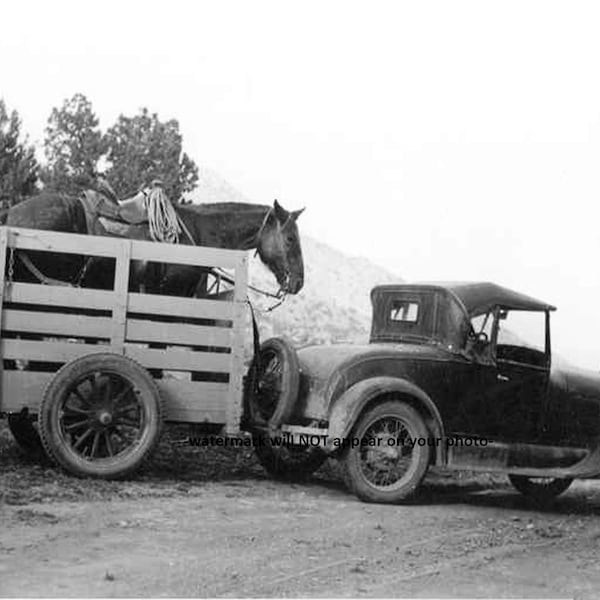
x=179, y=469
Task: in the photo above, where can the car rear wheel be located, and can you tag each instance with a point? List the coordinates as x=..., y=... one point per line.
x=390, y=455
x=540, y=489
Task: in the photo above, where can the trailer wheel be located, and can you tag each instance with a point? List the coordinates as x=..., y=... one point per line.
x=388, y=462
x=101, y=416
x=289, y=463
x=272, y=384
x=540, y=489
x=26, y=434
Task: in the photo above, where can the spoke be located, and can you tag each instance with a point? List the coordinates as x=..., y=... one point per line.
x=77, y=425
x=76, y=410
x=109, y=447
x=82, y=399
x=272, y=366
x=120, y=410
x=108, y=388
x=94, y=450
x=83, y=437
x=94, y=380
x=127, y=422
x=123, y=392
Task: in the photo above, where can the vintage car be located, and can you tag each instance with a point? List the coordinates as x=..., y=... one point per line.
x=456, y=374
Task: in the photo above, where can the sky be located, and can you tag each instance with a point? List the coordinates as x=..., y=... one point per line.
x=442, y=140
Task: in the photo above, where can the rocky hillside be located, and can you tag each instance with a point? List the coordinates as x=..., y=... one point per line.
x=334, y=304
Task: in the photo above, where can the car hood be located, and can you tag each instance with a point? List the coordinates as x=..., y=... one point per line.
x=579, y=381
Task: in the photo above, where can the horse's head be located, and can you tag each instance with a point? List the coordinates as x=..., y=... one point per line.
x=278, y=246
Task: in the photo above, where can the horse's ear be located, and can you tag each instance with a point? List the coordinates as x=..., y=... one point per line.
x=295, y=214
x=280, y=212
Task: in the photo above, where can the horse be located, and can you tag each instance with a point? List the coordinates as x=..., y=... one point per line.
x=270, y=230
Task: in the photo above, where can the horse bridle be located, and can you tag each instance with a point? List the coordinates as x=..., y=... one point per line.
x=282, y=291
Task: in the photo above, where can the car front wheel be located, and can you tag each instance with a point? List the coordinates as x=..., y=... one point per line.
x=387, y=455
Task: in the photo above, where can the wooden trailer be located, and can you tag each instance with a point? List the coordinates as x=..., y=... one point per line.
x=102, y=369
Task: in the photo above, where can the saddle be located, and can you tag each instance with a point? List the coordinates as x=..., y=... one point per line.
x=124, y=219
x=149, y=215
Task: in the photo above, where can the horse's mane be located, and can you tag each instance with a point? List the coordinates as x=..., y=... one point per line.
x=223, y=207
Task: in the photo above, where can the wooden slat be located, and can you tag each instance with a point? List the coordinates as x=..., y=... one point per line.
x=178, y=359
x=55, y=323
x=172, y=306
x=180, y=307
x=72, y=243
x=185, y=255
x=193, y=395
x=35, y=293
x=69, y=243
x=48, y=351
x=196, y=415
x=25, y=389
x=22, y=389
x=177, y=333
x=174, y=359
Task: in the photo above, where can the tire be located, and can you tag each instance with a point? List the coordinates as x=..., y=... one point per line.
x=357, y=461
x=101, y=416
x=272, y=385
x=291, y=463
x=540, y=489
x=27, y=436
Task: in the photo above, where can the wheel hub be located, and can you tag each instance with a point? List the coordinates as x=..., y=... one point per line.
x=382, y=456
x=105, y=418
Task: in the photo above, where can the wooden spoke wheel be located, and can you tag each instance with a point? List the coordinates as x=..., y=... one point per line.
x=101, y=416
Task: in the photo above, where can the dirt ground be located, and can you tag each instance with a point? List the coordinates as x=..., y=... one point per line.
x=208, y=522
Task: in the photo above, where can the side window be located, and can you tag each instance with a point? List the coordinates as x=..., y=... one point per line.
x=522, y=337
x=404, y=311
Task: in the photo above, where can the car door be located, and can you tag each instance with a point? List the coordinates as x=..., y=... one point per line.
x=503, y=390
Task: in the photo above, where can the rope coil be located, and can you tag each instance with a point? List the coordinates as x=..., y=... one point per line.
x=163, y=222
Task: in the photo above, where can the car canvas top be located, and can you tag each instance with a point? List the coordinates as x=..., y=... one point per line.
x=476, y=297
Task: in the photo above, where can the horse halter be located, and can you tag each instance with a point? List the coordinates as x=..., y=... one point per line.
x=282, y=292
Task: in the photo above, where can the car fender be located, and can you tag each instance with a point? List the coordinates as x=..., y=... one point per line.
x=346, y=410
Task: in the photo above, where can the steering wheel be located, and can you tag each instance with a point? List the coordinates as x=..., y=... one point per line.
x=482, y=337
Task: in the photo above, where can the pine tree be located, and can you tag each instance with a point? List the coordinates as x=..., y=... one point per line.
x=143, y=148
x=18, y=165
x=73, y=145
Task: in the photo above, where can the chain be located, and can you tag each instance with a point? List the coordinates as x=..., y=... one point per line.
x=11, y=265
x=83, y=272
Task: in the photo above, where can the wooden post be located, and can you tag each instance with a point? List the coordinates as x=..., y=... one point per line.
x=3, y=245
x=236, y=373
x=121, y=292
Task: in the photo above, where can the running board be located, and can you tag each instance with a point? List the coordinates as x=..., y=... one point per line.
x=525, y=459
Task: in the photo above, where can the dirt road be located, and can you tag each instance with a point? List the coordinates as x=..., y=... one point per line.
x=245, y=535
